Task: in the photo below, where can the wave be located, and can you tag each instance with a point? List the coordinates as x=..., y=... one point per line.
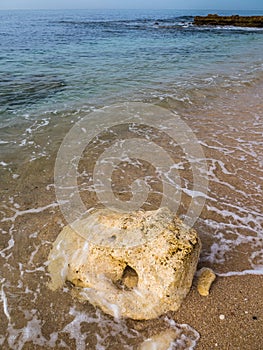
x=180, y=22
x=144, y=23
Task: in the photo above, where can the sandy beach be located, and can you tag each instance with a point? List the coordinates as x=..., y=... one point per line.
x=217, y=93
x=229, y=318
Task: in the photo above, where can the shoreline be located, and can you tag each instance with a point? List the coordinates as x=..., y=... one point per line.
x=34, y=223
x=218, y=93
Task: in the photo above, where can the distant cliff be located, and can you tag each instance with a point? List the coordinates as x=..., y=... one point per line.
x=239, y=21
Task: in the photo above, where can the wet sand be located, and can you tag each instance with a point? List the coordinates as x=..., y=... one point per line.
x=238, y=298
x=231, y=317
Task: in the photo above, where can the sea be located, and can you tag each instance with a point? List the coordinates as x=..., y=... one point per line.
x=67, y=69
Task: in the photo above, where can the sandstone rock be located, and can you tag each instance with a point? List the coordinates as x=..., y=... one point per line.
x=240, y=21
x=205, y=279
x=138, y=265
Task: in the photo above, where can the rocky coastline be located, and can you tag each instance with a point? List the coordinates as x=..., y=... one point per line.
x=235, y=20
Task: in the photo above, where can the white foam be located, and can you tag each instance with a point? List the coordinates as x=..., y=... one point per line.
x=5, y=303
x=17, y=338
x=11, y=244
x=175, y=337
x=107, y=328
x=4, y=164
x=241, y=273
x=187, y=336
x=30, y=211
x=194, y=194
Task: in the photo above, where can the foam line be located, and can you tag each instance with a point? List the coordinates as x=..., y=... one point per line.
x=240, y=273
x=31, y=211
x=5, y=304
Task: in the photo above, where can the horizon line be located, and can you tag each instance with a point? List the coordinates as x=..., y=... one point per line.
x=127, y=9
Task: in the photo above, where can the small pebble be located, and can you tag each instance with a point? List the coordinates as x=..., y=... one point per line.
x=222, y=317
x=205, y=279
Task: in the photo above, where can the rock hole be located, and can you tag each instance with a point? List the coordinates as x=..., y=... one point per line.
x=129, y=277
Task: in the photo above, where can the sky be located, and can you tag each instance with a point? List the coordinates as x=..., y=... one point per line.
x=133, y=4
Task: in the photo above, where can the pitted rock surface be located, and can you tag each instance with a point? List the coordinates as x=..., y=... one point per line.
x=137, y=265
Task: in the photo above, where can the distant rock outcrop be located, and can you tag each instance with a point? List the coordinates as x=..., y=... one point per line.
x=239, y=21
x=137, y=265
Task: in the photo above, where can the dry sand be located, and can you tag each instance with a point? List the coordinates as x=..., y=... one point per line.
x=240, y=300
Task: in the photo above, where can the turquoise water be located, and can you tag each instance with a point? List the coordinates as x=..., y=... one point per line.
x=58, y=66
x=63, y=59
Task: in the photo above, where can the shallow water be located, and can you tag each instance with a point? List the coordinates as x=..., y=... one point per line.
x=64, y=65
